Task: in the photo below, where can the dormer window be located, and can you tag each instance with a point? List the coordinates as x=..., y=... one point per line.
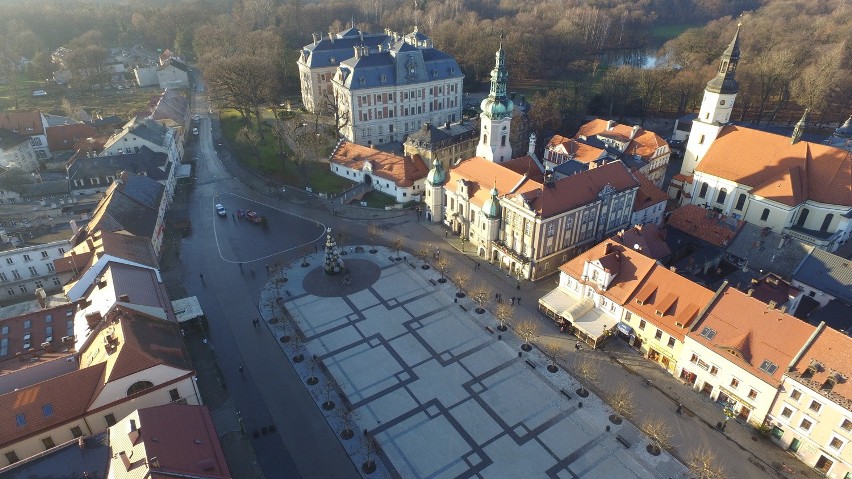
x=595, y=275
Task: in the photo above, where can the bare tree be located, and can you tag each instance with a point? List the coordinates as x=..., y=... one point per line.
x=249, y=138
x=442, y=264
x=527, y=330
x=553, y=351
x=703, y=462
x=659, y=432
x=305, y=250
x=373, y=233
x=504, y=312
x=338, y=106
x=588, y=371
x=622, y=402
x=398, y=243
x=480, y=293
x=423, y=253
x=347, y=417
x=461, y=278
x=372, y=448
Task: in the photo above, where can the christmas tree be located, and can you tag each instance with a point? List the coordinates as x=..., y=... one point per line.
x=333, y=264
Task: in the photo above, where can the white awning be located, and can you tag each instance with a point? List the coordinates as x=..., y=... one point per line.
x=187, y=309
x=558, y=301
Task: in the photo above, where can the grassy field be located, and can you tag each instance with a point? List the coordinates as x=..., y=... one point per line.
x=663, y=33
x=319, y=177
x=124, y=103
x=375, y=199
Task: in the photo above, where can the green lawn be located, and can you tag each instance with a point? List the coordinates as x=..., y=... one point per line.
x=320, y=178
x=375, y=199
x=667, y=32
x=124, y=103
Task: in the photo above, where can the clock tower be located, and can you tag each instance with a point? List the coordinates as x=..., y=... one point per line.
x=716, y=107
x=496, y=116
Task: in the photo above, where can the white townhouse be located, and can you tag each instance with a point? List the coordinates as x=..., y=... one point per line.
x=402, y=177
x=24, y=270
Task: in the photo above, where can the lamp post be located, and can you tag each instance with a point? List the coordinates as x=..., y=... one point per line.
x=463, y=239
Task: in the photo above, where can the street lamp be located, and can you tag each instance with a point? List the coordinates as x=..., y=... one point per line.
x=463, y=239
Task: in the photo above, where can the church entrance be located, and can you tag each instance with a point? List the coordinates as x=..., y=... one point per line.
x=368, y=180
x=481, y=252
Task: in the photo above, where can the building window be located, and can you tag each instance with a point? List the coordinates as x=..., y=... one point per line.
x=703, y=191
x=671, y=342
x=48, y=442
x=16, y=274
x=50, y=267
x=826, y=222
x=735, y=382
x=787, y=412
x=139, y=386
x=61, y=250
x=795, y=394
x=815, y=406
x=110, y=419
x=805, y=425
x=752, y=394
x=701, y=139
x=836, y=443
x=76, y=432
x=714, y=370
x=20, y=419
x=846, y=425
x=12, y=457
x=174, y=394
x=47, y=410
x=3, y=277
x=658, y=335
x=642, y=324
x=765, y=215
x=10, y=261
x=720, y=198
x=33, y=271
x=44, y=254
x=777, y=432
x=23, y=288
x=27, y=257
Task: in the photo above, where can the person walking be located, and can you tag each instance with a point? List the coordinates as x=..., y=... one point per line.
x=679, y=409
x=200, y=275
x=577, y=346
x=513, y=300
x=241, y=370
x=518, y=299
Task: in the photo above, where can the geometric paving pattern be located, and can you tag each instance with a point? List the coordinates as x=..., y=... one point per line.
x=446, y=399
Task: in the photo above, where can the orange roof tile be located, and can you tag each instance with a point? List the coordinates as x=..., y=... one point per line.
x=833, y=351
x=525, y=165
x=704, y=224
x=67, y=395
x=632, y=268
x=402, y=170
x=577, y=151
x=747, y=334
x=31, y=328
x=26, y=123
x=66, y=137
x=648, y=237
x=482, y=175
x=648, y=194
x=778, y=170
x=642, y=142
x=579, y=189
x=677, y=298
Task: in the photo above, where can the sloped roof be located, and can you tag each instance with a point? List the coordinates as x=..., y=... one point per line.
x=778, y=170
x=117, y=212
x=526, y=165
x=183, y=439
x=632, y=269
x=481, y=175
x=9, y=139
x=68, y=395
x=321, y=53
x=648, y=193
x=833, y=351
x=768, y=251
x=34, y=324
x=827, y=272
x=706, y=225
x=404, y=171
x=65, y=137
x=669, y=301
x=578, y=151
x=747, y=334
x=142, y=189
x=144, y=162
x=171, y=105
x=579, y=189
x=642, y=142
x=24, y=122
x=648, y=237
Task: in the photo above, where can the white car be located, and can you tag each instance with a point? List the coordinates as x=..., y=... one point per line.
x=195, y=131
x=39, y=93
x=220, y=210
x=196, y=117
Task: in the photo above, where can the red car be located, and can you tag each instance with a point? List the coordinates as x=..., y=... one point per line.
x=253, y=216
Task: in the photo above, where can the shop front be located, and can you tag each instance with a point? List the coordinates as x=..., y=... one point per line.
x=740, y=407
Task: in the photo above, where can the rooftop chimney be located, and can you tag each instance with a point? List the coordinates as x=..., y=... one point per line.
x=41, y=297
x=92, y=319
x=610, y=124
x=634, y=132
x=124, y=298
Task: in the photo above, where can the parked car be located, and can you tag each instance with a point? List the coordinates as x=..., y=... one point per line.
x=254, y=217
x=196, y=117
x=39, y=93
x=195, y=131
x=220, y=210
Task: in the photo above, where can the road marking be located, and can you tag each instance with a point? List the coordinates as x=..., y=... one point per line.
x=219, y=248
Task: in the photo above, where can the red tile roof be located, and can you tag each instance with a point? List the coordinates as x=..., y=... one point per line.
x=67, y=137
x=28, y=123
x=576, y=150
x=747, y=334
x=648, y=194
x=68, y=395
x=669, y=301
x=525, y=165
x=832, y=350
x=648, y=237
x=640, y=141
x=481, y=175
x=579, y=189
x=708, y=225
x=778, y=170
x=403, y=171
x=632, y=268
x=31, y=329
x=184, y=441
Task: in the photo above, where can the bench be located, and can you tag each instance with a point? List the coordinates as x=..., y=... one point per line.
x=530, y=363
x=488, y=328
x=433, y=282
x=462, y=307
x=623, y=441
x=564, y=393
x=288, y=293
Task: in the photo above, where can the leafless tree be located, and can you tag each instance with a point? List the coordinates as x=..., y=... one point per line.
x=373, y=233
x=480, y=293
x=527, y=330
x=587, y=370
x=461, y=277
x=504, y=312
x=703, y=462
x=398, y=243
x=658, y=431
x=338, y=106
x=347, y=417
x=622, y=402
x=251, y=141
x=442, y=264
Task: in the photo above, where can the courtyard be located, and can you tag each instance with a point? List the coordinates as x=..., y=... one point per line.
x=439, y=388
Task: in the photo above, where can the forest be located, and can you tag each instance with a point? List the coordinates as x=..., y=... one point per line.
x=794, y=52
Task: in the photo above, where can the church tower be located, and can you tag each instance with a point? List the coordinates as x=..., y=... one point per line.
x=435, y=180
x=492, y=211
x=496, y=116
x=799, y=130
x=716, y=107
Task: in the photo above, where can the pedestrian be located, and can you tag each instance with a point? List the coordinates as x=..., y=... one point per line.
x=316, y=248
x=446, y=234
x=513, y=300
x=477, y=265
x=240, y=369
x=496, y=296
x=267, y=268
x=577, y=346
x=241, y=266
x=679, y=408
x=201, y=276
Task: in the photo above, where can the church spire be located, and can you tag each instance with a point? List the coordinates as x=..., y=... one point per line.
x=799, y=130
x=724, y=81
x=497, y=105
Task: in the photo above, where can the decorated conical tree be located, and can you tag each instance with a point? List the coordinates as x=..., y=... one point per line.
x=333, y=264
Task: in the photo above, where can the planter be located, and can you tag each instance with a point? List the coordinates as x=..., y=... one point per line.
x=312, y=381
x=425, y=266
x=653, y=449
x=328, y=405
x=502, y=327
x=368, y=467
x=460, y=295
x=347, y=434
x=526, y=347
x=582, y=392
x=480, y=310
x=373, y=251
x=305, y=264
x=442, y=280
x=615, y=419
x=552, y=368
x=298, y=358
x=285, y=339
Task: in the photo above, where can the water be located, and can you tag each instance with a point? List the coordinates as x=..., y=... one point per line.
x=634, y=57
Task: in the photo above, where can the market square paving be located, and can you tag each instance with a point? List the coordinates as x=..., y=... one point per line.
x=441, y=393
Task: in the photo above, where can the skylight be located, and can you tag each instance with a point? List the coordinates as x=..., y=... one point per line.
x=47, y=410
x=708, y=333
x=768, y=366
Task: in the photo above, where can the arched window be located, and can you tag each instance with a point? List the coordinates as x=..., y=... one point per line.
x=720, y=198
x=139, y=386
x=765, y=215
x=826, y=222
x=740, y=202
x=503, y=140
x=803, y=216
x=703, y=191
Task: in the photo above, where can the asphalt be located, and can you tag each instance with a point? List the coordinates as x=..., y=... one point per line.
x=303, y=444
